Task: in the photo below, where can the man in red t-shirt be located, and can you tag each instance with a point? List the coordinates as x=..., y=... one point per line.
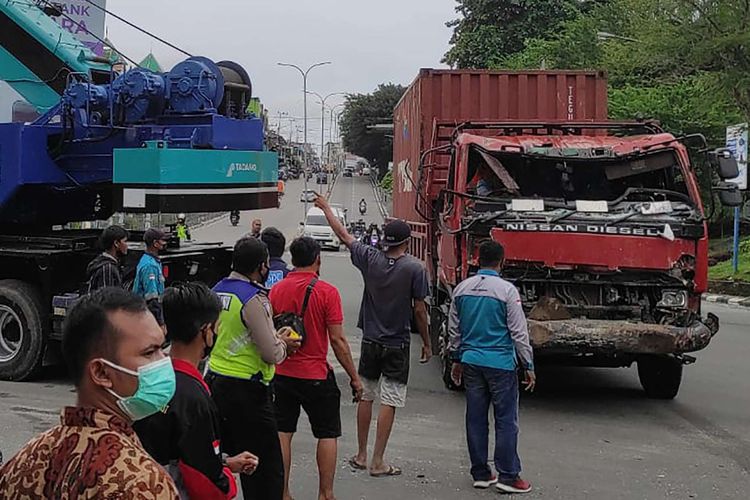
x=305, y=379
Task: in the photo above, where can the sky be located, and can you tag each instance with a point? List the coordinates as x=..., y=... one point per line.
x=368, y=42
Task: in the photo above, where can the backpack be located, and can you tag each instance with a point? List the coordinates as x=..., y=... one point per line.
x=295, y=321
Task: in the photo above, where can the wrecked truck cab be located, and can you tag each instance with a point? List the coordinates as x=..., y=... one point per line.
x=602, y=221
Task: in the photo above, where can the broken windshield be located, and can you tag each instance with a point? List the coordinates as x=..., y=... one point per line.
x=643, y=178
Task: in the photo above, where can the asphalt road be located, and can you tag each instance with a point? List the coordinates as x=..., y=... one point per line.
x=586, y=433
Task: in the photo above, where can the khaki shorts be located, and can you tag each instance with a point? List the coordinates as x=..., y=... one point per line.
x=392, y=392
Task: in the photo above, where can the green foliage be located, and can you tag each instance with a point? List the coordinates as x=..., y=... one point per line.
x=386, y=183
x=725, y=270
x=488, y=30
x=364, y=110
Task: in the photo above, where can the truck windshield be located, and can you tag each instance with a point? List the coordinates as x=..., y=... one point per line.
x=514, y=175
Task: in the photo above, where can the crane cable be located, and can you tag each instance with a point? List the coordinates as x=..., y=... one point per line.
x=90, y=2
x=79, y=25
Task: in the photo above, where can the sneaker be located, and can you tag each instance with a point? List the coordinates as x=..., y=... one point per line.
x=483, y=485
x=517, y=485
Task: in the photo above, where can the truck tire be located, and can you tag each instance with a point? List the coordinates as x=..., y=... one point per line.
x=660, y=376
x=22, y=337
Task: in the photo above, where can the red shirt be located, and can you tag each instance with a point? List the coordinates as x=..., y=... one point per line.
x=324, y=309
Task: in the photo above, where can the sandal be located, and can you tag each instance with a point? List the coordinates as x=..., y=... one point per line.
x=392, y=471
x=356, y=465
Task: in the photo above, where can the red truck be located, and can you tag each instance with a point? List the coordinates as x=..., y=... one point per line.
x=602, y=222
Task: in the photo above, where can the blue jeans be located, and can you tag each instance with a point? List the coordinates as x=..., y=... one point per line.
x=500, y=387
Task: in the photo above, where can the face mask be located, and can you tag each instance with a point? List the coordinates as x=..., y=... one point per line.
x=208, y=348
x=156, y=385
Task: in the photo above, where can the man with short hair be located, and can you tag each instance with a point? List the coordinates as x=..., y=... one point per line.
x=242, y=366
x=396, y=287
x=255, y=229
x=112, y=346
x=186, y=439
x=149, y=275
x=306, y=379
x=276, y=243
x=104, y=270
x=487, y=334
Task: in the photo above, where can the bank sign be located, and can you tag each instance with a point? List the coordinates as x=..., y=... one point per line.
x=84, y=21
x=737, y=143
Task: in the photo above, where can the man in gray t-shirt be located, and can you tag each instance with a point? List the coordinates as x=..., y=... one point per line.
x=391, y=286
x=396, y=287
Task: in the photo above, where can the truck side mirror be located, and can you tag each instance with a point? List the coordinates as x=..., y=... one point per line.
x=724, y=162
x=729, y=194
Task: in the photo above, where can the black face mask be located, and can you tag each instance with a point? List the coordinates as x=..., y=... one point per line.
x=206, y=348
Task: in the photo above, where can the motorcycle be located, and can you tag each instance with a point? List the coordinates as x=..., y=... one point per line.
x=375, y=240
x=363, y=208
x=278, y=203
x=234, y=217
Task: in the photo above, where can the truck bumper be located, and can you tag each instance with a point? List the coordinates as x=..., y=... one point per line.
x=583, y=336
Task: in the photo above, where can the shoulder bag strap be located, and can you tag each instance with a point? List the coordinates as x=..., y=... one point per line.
x=307, y=296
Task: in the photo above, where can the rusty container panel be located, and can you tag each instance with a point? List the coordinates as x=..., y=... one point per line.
x=481, y=95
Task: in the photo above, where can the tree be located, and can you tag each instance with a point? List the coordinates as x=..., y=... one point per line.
x=489, y=30
x=363, y=110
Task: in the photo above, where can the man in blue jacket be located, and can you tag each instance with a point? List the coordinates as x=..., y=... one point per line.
x=149, y=276
x=487, y=334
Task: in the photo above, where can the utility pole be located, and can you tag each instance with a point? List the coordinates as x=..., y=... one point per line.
x=304, y=74
x=323, y=118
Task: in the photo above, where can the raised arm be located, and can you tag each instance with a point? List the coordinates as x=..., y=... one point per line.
x=338, y=227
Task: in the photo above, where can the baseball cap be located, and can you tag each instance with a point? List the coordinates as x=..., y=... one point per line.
x=152, y=235
x=395, y=233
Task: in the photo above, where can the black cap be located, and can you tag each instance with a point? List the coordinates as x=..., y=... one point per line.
x=395, y=233
x=153, y=235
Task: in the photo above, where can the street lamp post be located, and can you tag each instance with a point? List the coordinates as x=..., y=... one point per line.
x=330, y=128
x=323, y=117
x=304, y=74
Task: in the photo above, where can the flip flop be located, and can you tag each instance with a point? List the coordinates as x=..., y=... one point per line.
x=356, y=465
x=392, y=471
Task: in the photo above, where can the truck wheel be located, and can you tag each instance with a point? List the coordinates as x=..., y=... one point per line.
x=660, y=376
x=22, y=339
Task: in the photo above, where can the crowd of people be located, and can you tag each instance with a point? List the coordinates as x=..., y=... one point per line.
x=246, y=357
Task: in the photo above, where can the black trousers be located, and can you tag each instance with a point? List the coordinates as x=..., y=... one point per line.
x=248, y=423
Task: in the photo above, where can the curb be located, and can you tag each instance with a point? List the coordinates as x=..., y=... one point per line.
x=727, y=299
x=379, y=199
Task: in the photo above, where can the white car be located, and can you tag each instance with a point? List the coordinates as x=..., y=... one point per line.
x=366, y=171
x=316, y=227
x=307, y=195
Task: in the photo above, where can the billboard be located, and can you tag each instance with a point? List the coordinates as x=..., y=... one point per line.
x=84, y=21
x=737, y=143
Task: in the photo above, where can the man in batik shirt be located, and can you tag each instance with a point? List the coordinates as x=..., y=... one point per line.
x=112, y=345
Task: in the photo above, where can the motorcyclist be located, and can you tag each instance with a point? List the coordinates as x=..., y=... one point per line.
x=183, y=232
x=362, y=207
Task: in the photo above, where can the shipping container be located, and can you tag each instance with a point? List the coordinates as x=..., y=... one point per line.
x=439, y=100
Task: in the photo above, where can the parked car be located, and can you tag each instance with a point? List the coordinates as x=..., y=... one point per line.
x=322, y=178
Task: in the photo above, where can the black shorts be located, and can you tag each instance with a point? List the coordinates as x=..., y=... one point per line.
x=321, y=400
x=390, y=362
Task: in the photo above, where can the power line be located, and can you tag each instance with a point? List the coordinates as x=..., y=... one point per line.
x=139, y=28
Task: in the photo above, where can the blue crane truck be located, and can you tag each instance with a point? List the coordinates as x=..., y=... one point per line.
x=109, y=140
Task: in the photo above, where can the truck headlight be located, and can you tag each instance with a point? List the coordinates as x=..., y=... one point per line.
x=673, y=298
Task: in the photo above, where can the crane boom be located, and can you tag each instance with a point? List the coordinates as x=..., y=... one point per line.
x=37, y=55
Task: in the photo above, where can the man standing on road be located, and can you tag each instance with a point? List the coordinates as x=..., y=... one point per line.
x=487, y=332
x=186, y=438
x=242, y=366
x=396, y=287
x=306, y=379
x=276, y=243
x=149, y=276
x=112, y=347
x=104, y=270
x=255, y=229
